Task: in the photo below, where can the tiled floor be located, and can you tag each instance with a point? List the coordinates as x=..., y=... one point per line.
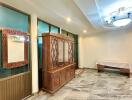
x=91, y=85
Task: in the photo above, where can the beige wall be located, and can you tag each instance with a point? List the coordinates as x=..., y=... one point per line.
x=115, y=46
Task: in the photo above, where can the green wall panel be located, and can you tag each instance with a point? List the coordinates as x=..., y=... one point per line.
x=12, y=19
x=40, y=52
x=42, y=28
x=54, y=29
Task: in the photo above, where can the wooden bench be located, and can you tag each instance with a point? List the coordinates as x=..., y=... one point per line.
x=122, y=67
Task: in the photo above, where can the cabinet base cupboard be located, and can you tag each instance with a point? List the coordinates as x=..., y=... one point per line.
x=58, y=63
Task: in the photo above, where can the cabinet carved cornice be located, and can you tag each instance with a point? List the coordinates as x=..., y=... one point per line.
x=58, y=61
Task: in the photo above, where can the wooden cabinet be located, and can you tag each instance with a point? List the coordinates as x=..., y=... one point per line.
x=58, y=62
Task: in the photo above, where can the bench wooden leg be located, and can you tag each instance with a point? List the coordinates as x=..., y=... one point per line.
x=128, y=75
x=100, y=68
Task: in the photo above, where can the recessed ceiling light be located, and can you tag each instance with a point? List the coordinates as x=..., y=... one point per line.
x=84, y=31
x=68, y=19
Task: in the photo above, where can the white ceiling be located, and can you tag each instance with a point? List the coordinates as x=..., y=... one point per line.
x=85, y=14
x=96, y=10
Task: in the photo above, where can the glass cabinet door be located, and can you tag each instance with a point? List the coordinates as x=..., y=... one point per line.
x=66, y=52
x=60, y=52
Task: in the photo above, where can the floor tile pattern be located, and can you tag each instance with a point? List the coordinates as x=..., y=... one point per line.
x=91, y=85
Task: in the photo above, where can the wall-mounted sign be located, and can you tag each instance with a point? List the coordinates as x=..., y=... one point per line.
x=14, y=48
x=16, y=38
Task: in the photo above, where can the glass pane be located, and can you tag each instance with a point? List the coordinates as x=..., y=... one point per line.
x=42, y=28
x=4, y=72
x=66, y=52
x=61, y=49
x=40, y=51
x=40, y=41
x=12, y=19
x=54, y=29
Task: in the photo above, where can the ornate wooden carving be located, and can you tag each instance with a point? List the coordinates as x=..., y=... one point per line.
x=55, y=73
x=5, y=33
x=53, y=52
x=70, y=52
